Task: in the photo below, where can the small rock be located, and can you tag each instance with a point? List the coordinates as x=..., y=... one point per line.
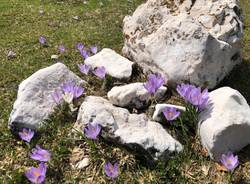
x=147, y=138
x=160, y=107
x=133, y=95
x=54, y=56
x=82, y=164
x=225, y=125
x=11, y=54
x=34, y=102
x=76, y=18
x=115, y=65
x=41, y=12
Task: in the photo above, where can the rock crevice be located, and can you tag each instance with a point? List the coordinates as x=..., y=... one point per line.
x=134, y=131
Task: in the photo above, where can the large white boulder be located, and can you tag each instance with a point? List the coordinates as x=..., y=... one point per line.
x=225, y=124
x=133, y=95
x=197, y=41
x=135, y=131
x=116, y=66
x=34, y=102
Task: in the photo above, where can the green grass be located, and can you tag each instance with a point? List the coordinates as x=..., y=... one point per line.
x=101, y=24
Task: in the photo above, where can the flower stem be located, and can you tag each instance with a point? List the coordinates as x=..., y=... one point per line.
x=183, y=129
x=93, y=148
x=231, y=177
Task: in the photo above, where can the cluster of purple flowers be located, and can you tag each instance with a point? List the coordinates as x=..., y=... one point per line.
x=33, y=174
x=85, y=53
x=91, y=131
x=68, y=92
x=154, y=82
x=99, y=71
x=194, y=95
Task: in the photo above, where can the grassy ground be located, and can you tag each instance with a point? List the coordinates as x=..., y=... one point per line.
x=100, y=23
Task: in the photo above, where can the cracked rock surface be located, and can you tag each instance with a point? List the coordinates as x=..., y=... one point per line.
x=197, y=41
x=137, y=132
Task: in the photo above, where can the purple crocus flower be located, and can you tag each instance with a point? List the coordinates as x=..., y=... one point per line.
x=42, y=40
x=70, y=87
x=40, y=154
x=194, y=95
x=70, y=91
x=111, y=170
x=61, y=49
x=92, y=131
x=93, y=49
x=36, y=175
x=67, y=87
x=84, y=54
x=184, y=90
x=57, y=97
x=26, y=134
x=80, y=47
x=171, y=113
x=229, y=161
x=154, y=83
x=78, y=91
x=100, y=72
x=199, y=98
x=84, y=68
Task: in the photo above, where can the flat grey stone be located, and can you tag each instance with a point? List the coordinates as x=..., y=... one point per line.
x=34, y=103
x=133, y=95
x=116, y=66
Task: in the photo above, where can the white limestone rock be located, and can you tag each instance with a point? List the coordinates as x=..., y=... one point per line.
x=34, y=103
x=225, y=124
x=160, y=107
x=115, y=65
x=54, y=57
x=137, y=132
x=197, y=41
x=133, y=95
x=82, y=163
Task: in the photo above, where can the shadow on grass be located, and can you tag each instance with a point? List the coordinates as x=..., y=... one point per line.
x=239, y=79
